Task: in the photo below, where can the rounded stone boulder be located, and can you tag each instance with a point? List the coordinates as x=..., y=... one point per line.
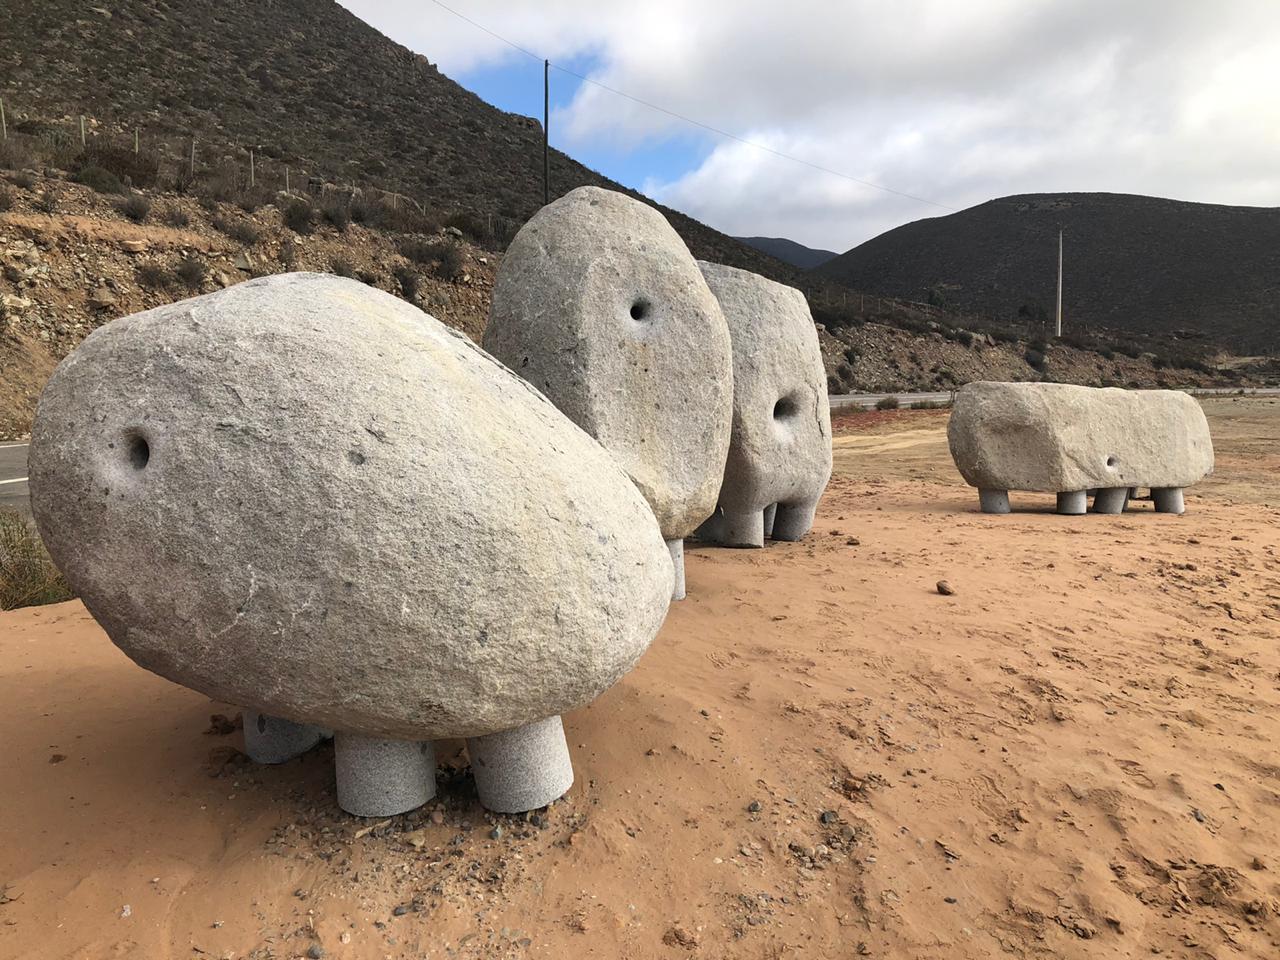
x=306, y=497
x=1060, y=437
x=599, y=304
x=780, y=453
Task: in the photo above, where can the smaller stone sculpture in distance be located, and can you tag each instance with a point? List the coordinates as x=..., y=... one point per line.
x=599, y=304
x=780, y=451
x=307, y=497
x=1071, y=440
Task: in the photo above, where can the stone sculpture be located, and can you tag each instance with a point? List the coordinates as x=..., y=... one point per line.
x=780, y=452
x=600, y=305
x=307, y=497
x=1071, y=440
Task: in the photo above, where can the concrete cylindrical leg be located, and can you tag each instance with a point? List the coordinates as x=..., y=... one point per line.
x=792, y=521
x=734, y=529
x=994, y=501
x=677, y=560
x=1073, y=503
x=380, y=778
x=770, y=513
x=270, y=739
x=521, y=769
x=1168, y=499
x=1111, y=500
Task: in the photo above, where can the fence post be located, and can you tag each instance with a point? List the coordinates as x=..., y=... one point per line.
x=253, y=182
x=82, y=140
x=4, y=127
x=286, y=179
x=193, y=157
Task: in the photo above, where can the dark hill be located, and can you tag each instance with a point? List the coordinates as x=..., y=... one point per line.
x=788, y=251
x=1140, y=264
x=305, y=83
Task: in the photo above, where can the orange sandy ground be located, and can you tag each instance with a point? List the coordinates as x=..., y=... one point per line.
x=1076, y=755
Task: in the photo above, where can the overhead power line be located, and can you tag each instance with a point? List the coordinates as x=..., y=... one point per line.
x=690, y=120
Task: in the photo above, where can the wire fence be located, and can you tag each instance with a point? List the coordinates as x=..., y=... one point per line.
x=188, y=163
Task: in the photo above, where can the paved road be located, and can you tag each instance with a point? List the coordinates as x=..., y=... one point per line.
x=13, y=477
x=867, y=401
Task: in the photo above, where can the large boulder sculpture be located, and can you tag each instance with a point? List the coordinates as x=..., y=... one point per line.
x=599, y=304
x=780, y=451
x=307, y=497
x=1070, y=440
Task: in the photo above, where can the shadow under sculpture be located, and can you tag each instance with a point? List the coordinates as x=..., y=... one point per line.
x=780, y=447
x=1078, y=441
x=601, y=306
x=284, y=495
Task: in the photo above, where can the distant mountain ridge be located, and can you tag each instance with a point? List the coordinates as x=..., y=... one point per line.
x=1134, y=263
x=788, y=251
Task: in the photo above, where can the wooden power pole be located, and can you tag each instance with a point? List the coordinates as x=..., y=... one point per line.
x=546, y=132
x=1058, y=317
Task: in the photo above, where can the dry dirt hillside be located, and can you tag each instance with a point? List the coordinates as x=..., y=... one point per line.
x=72, y=260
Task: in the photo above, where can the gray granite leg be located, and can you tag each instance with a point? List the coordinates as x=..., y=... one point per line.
x=677, y=559
x=380, y=778
x=270, y=739
x=1111, y=500
x=522, y=769
x=994, y=501
x=1168, y=499
x=770, y=512
x=734, y=529
x=792, y=521
x=1073, y=503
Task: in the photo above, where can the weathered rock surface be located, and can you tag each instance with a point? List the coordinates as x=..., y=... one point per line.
x=306, y=497
x=1057, y=437
x=780, y=451
x=599, y=304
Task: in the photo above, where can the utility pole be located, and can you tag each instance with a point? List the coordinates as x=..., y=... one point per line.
x=1058, y=322
x=546, y=132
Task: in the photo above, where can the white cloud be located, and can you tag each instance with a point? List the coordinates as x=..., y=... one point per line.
x=955, y=101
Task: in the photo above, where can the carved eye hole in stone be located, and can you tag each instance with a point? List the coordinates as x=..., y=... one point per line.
x=640, y=309
x=785, y=408
x=138, y=451
x=1111, y=461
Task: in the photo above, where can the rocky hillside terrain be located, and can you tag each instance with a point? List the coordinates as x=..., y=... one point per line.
x=72, y=259
x=1134, y=264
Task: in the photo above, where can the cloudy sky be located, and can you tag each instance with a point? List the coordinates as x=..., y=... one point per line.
x=953, y=102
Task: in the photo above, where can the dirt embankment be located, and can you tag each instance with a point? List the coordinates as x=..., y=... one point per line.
x=1073, y=755
x=66, y=270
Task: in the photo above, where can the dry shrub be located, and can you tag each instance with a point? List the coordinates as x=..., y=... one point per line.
x=28, y=577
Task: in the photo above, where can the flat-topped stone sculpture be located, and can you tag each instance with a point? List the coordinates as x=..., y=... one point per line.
x=599, y=304
x=307, y=497
x=1071, y=440
x=780, y=449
